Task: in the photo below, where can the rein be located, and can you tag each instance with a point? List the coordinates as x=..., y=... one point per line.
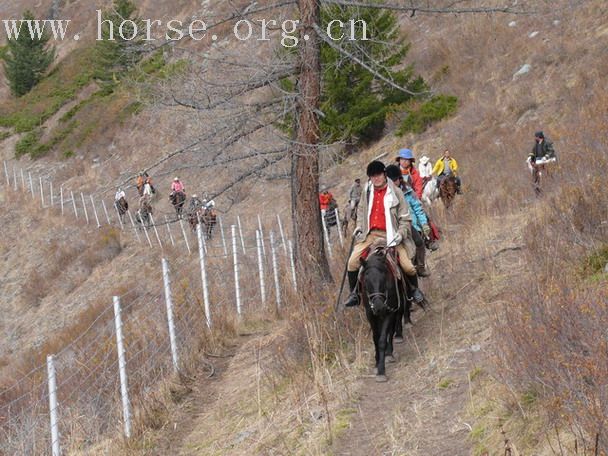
x=394, y=272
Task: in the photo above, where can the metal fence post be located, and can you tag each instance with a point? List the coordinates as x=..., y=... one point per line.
x=326, y=233
x=169, y=303
x=238, y=220
x=122, y=365
x=181, y=224
x=61, y=198
x=282, y=235
x=41, y=191
x=275, y=267
x=95, y=211
x=261, y=268
x=31, y=184
x=223, y=237
x=262, y=235
x=293, y=266
x=201, y=255
x=236, y=271
x=8, y=181
x=156, y=231
x=105, y=210
x=339, y=227
x=169, y=230
x=84, y=206
x=74, y=203
x=50, y=365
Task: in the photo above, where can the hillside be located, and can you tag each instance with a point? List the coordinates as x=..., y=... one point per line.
x=295, y=381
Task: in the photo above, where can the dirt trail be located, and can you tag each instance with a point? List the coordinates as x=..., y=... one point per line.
x=423, y=408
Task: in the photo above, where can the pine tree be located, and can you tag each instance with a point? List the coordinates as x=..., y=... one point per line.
x=27, y=58
x=355, y=102
x=116, y=56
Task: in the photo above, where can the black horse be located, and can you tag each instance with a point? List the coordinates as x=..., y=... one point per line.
x=381, y=298
x=178, y=199
x=143, y=214
x=122, y=207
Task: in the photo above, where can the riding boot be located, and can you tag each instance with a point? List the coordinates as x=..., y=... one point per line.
x=421, y=262
x=353, y=297
x=412, y=282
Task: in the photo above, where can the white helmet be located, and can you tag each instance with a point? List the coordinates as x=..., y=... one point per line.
x=194, y=196
x=176, y=179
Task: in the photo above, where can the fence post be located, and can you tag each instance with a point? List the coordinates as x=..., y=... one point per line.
x=156, y=231
x=277, y=286
x=238, y=219
x=22, y=180
x=223, y=237
x=169, y=230
x=134, y=227
x=293, y=266
x=201, y=255
x=50, y=365
x=74, y=203
x=41, y=191
x=339, y=227
x=105, y=210
x=282, y=235
x=261, y=268
x=51, y=192
x=8, y=181
x=95, y=211
x=181, y=224
x=31, y=184
x=15, y=185
x=262, y=235
x=145, y=228
x=84, y=206
x=122, y=367
x=236, y=271
x=61, y=198
x=169, y=303
x=326, y=233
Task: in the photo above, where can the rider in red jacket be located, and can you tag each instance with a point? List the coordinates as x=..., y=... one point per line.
x=406, y=160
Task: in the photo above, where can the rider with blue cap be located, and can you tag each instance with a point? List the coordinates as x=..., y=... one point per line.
x=405, y=159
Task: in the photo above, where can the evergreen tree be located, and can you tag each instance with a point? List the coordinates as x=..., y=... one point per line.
x=26, y=59
x=115, y=54
x=355, y=102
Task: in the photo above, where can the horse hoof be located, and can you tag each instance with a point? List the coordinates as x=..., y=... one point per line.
x=381, y=379
x=398, y=339
x=391, y=358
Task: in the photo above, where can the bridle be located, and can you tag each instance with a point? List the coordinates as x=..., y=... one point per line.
x=371, y=296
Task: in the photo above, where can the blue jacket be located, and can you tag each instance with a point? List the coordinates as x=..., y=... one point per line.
x=417, y=211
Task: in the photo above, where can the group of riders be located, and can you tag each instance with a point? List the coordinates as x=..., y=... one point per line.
x=198, y=210
x=388, y=209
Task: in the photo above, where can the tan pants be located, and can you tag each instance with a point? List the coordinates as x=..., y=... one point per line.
x=359, y=248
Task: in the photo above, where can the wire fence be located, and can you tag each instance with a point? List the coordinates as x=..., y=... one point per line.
x=86, y=393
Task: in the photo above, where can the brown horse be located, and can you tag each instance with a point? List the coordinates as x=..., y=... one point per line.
x=209, y=220
x=447, y=190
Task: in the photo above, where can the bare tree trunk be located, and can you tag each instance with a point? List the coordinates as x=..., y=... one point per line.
x=307, y=228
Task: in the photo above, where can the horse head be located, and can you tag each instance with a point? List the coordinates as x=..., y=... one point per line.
x=378, y=281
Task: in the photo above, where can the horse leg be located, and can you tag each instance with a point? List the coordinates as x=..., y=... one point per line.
x=399, y=325
x=381, y=349
x=390, y=356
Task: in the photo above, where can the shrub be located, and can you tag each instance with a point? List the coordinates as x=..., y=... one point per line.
x=421, y=115
x=26, y=144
